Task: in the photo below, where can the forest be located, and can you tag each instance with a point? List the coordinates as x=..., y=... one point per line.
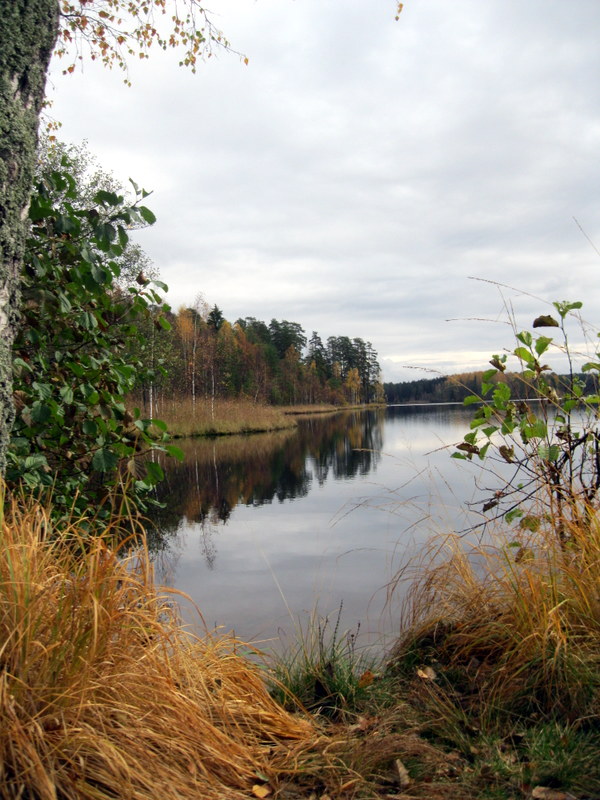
x=455, y=388
x=202, y=355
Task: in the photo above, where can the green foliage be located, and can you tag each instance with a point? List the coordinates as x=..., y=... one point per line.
x=73, y=433
x=325, y=673
x=549, y=433
x=92, y=181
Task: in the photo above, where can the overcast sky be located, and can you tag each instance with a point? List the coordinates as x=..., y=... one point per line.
x=359, y=171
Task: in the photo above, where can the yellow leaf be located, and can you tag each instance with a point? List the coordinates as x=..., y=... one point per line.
x=427, y=674
x=261, y=791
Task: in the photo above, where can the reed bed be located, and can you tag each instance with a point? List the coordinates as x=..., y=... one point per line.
x=103, y=694
x=221, y=417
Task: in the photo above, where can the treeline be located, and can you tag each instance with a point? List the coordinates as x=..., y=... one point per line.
x=454, y=388
x=203, y=356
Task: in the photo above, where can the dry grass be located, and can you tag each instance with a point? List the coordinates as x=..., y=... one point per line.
x=515, y=629
x=224, y=417
x=327, y=408
x=102, y=695
x=322, y=408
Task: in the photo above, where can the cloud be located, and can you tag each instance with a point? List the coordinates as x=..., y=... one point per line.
x=360, y=170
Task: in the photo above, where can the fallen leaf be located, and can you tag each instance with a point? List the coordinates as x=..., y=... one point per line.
x=546, y=793
x=366, y=679
x=261, y=791
x=403, y=776
x=427, y=674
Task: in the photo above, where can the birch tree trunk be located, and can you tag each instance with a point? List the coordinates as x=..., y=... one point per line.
x=28, y=30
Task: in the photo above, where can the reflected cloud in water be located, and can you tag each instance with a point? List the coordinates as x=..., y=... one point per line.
x=258, y=527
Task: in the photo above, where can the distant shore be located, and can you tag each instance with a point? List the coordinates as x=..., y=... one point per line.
x=229, y=417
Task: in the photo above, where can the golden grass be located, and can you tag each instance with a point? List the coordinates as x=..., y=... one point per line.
x=224, y=417
x=103, y=695
x=517, y=628
x=321, y=408
x=327, y=408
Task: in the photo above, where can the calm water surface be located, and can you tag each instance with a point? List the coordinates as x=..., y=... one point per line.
x=263, y=530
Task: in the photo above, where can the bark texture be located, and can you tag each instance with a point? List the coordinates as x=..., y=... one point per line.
x=28, y=30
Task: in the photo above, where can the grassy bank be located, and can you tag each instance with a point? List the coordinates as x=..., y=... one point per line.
x=325, y=408
x=493, y=689
x=225, y=417
x=492, y=692
x=221, y=418
x=103, y=695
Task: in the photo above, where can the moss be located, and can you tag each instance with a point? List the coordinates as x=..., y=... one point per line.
x=28, y=30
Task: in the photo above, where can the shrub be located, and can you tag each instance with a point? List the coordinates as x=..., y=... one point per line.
x=73, y=435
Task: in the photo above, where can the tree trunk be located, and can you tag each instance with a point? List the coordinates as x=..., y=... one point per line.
x=28, y=30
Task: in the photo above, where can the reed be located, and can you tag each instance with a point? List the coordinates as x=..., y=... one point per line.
x=104, y=695
x=205, y=418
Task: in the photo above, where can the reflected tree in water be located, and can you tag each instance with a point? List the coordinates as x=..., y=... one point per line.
x=219, y=474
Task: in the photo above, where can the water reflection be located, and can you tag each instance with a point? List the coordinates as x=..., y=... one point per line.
x=261, y=529
x=219, y=474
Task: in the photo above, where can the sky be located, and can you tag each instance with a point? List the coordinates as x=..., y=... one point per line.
x=367, y=177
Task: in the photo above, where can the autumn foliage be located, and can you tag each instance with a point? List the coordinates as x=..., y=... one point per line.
x=113, y=31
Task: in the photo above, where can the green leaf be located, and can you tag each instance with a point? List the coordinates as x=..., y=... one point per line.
x=524, y=355
x=36, y=461
x=107, y=198
x=21, y=364
x=549, y=453
x=40, y=412
x=530, y=523
x=122, y=234
x=147, y=215
x=66, y=393
x=470, y=399
x=43, y=390
x=158, y=423
x=564, y=307
x=501, y=394
x=508, y=426
x=537, y=430
x=104, y=460
x=174, y=452
x=154, y=472
x=542, y=343
x=88, y=321
x=89, y=427
x=525, y=337
x=514, y=513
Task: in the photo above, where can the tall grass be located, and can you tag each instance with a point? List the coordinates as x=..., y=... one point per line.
x=207, y=418
x=103, y=695
x=512, y=629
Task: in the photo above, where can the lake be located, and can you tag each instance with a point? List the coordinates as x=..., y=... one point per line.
x=263, y=530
